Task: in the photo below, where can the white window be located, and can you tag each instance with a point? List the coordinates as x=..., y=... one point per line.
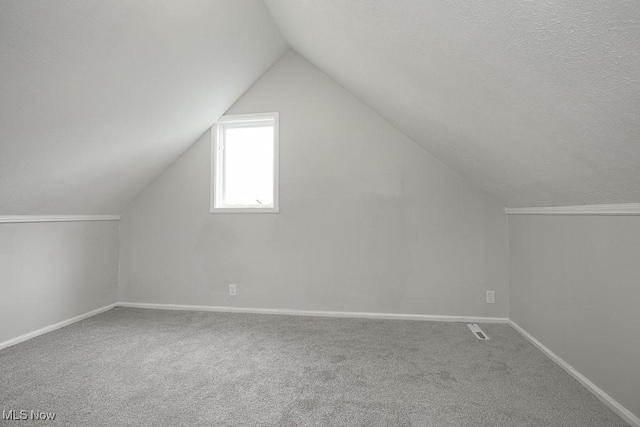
x=245, y=164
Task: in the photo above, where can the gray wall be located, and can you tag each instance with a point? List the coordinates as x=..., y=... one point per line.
x=369, y=221
x=51, y=272
x=575, y=286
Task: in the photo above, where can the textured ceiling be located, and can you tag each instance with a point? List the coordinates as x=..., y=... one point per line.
x=536, y=101
x=97, y=97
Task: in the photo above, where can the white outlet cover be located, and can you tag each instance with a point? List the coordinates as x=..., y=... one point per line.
x=232, y=290
x=491, y=297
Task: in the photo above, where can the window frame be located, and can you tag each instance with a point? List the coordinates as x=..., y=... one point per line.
x=217, y=168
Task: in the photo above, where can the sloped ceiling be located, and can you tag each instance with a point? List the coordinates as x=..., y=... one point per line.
x=97, y=97
x=536, y=101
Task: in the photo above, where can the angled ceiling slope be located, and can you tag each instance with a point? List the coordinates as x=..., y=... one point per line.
x=537, y=101
x=97, y=97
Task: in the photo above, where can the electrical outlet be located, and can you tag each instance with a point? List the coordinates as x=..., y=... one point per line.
x=491, y=297
x=232, y=290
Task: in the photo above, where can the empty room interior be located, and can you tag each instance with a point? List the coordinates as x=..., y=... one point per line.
x=320, y=213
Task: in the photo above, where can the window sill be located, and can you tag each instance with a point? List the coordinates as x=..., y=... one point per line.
x=244, y=210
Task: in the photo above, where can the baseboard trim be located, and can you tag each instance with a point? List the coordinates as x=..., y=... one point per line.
x=620, y=209
x=315, y=313
x=225, y=309
x=50, y=328
x=15, y=219
x=612, y=404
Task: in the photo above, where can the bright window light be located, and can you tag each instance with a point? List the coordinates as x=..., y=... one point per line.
x=245, y=163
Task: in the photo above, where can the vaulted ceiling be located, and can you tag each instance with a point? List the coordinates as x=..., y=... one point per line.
x=538, y=102
x=97, y=97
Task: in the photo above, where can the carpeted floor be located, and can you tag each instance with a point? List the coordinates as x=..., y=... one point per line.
x=154, y=368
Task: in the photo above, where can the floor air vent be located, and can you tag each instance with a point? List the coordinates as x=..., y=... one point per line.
x=477, y=331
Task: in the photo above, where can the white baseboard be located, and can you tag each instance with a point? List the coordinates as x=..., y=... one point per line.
x=623, y=412
x=316, y=313
x=28, y=336
x=222, y=309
